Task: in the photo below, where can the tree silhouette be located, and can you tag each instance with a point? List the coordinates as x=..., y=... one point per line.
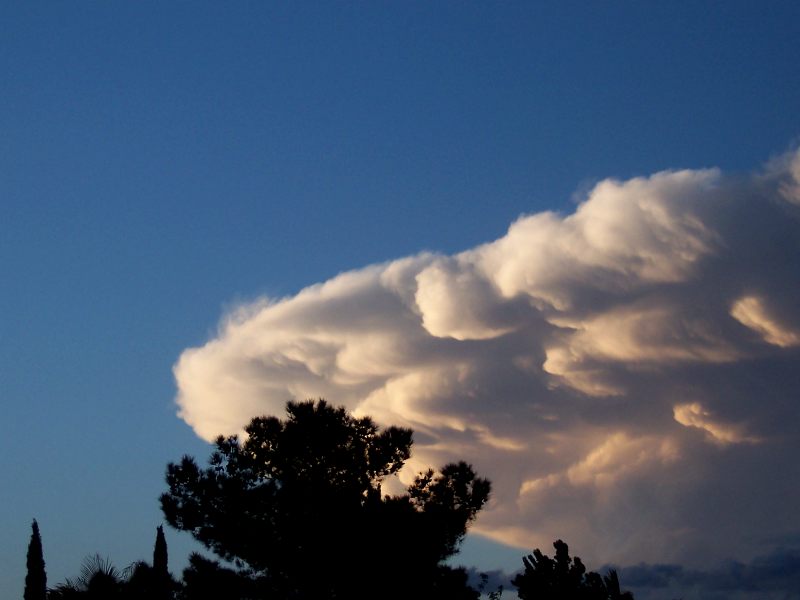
x=564, y=578
x=297, y=508
x=160, y=557
x=150, y=582
x=611, y=581
x=36, y=578
x=162, y=583
x=205, y=579
x=140, y=583
x=99, y=579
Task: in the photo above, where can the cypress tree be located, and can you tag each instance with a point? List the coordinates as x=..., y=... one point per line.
x=36, y=579
x=160, y=559
x=161, y=579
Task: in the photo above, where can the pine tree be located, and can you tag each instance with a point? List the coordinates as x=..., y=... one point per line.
x=297, y=508
x=36, y=579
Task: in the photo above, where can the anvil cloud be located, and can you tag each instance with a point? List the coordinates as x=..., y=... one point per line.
x=627, y=375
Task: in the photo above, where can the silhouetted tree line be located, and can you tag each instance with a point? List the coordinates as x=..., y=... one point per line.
x=295, y=512
x=564, y=577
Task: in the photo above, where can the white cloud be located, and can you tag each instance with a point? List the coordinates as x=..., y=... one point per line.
x=573, y=361
x=751, y=312
x=694, y=415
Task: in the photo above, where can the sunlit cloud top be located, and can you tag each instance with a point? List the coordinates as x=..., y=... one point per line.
x=626, y=374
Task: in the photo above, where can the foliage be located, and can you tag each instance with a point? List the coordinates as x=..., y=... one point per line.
x=297, y=508
x=205, y=579
x=36, y=577
x=564, y=578
x=160, y=555
x=159, y=580
x=495, y=594
x=100, y=579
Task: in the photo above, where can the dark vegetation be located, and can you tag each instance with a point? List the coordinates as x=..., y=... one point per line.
x=295, y=511
x=305, y=493
x=565, y=577
x=36, y=578
x=99, y=579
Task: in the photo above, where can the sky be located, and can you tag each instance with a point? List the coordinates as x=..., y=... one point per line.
x=558, y=239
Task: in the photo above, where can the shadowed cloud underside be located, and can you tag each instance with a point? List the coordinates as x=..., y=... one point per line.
x=626, y=375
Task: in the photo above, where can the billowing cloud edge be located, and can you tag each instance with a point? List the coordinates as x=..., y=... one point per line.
x=602, y=368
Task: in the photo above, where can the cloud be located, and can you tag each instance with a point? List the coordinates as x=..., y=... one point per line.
x=610, y=370
x=772, y=576
x=694, y=415
x=751, y=312
x=767, y=577
x=489, y=581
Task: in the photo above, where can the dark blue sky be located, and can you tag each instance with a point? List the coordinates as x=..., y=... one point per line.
x=160, y=162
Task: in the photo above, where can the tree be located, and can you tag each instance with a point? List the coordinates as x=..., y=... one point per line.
x=143, y=581
x=564, y=578
x=36, y=577
x=160, y=556
x=161, y=581
x=99, y=579
x=205, y=579
x=297, y=508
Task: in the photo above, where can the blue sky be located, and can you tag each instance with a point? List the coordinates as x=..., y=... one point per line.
x=161, y=164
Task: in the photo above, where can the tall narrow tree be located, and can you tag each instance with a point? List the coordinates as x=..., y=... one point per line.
x=162, y=582
x=36, y=578
x=160, y=559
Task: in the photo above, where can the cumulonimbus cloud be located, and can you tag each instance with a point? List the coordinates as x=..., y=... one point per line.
x=627, y=375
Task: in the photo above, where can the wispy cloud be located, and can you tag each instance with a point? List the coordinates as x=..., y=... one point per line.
x=609, y=370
